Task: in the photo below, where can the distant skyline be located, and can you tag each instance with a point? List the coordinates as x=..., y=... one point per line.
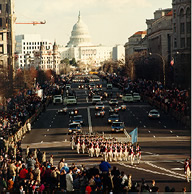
x=109, y=22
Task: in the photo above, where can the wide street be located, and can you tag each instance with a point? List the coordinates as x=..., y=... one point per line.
x=165, y=143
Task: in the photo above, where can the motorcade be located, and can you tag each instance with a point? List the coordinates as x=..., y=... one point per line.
x=127, y=98
x=136, y=97
x=117, y=127
x=70, y=100
x=77, y=119
x=113, y=102
x=95, y=99
x=74, y=128
x=57, y=99
x=109, y=86
x=154, y=114
x=99, y=105
x=113, y=118
x=63, y=110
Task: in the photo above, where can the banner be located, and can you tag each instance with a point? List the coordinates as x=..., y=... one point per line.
x=134, y=135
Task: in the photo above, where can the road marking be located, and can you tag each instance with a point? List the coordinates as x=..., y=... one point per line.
x=176, y=168
x=87, y=99
x=179, y=176
x=89, y=120
x=164, y=169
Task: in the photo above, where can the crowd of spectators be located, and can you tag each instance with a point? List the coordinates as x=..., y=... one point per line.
x=39, y=174
x=174, y=98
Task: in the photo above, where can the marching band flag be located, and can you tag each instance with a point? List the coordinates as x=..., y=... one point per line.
x=134, y=134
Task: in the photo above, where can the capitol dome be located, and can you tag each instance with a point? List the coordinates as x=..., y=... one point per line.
x=79, y=35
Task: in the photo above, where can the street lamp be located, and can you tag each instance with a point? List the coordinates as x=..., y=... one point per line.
x=164, y=80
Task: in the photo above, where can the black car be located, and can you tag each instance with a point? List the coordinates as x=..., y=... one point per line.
x=82, y=86
x=113, y=118
x=77, y=119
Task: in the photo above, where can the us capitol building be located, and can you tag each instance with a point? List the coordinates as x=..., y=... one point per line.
x=81, y=48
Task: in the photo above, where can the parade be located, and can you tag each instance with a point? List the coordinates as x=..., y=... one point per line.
x=110, y=149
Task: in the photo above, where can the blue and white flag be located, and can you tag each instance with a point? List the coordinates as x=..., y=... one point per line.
x=134, y=134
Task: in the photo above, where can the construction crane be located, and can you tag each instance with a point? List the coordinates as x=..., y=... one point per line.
x=33, y=22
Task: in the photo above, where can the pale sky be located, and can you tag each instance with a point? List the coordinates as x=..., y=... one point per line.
x=109, y=22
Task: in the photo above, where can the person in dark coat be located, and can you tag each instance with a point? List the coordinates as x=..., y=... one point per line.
x=63, y=179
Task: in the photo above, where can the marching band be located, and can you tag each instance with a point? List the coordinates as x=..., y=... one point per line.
x=108, y=148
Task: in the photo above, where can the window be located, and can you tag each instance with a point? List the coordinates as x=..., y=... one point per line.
x=188, y=25
x=181, y=13
x=188, y=13
x=1, y=23
x=0, y=8
x=188, y=42
x=182, y=28
x=182, y=42
x=1, y=36
x=174, y=27
x=7, y=8
x=1, y=49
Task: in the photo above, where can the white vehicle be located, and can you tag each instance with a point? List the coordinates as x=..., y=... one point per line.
x=96, y=99
x=70, y=100
x=127, y=98
x=136, y=97
x=57, y=99
x=109, y=86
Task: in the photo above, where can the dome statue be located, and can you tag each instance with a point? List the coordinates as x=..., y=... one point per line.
x=79, y=35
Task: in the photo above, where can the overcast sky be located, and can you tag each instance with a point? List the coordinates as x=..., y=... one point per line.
x=109, y=22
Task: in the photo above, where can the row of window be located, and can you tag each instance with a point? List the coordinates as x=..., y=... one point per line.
x=183, y=44
x=35, y=43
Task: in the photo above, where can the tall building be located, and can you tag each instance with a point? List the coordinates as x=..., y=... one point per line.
x=159, y=40
x=182, y=42
x=136, y=43
x=83, y=50
x=80, y=34
x=7, y=40
x=46, y=59
x=26, y=45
